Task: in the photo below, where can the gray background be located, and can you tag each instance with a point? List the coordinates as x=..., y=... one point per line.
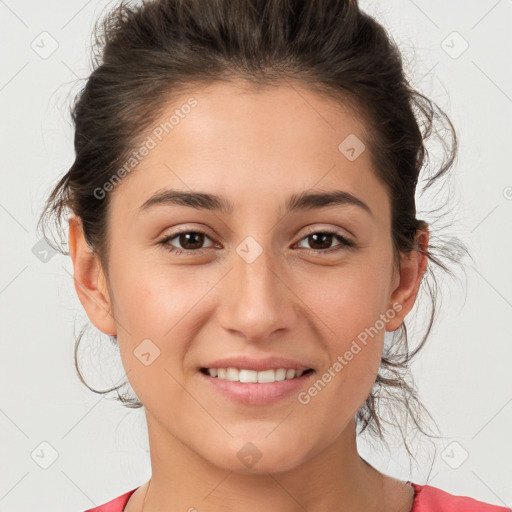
x=95, y=449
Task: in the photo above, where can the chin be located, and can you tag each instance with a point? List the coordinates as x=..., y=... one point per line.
x=259, y=456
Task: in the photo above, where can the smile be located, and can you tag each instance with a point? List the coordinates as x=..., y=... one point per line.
x=246, y=376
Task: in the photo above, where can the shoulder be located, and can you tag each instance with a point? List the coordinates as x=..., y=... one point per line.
x=433, y=499
x=115, y=505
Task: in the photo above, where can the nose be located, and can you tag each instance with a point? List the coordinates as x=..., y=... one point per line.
x=257, y=298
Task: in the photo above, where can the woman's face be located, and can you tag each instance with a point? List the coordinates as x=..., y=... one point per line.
x=259, y=283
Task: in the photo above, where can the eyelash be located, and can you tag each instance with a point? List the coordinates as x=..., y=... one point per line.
x=345, y=243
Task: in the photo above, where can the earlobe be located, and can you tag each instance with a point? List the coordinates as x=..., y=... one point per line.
x=413, y=266
x=89, y=279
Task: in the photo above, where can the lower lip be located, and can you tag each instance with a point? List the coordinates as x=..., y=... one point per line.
x=256, y=393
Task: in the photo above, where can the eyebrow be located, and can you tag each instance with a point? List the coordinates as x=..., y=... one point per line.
x=302, y=201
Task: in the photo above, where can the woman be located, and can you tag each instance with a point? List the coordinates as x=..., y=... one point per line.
x=244, y=226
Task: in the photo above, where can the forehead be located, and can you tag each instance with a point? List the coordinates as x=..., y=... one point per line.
x=253, y=145
x=236, y=115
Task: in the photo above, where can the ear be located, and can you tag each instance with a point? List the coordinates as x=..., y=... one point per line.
x=89, y=279
x=413, y=266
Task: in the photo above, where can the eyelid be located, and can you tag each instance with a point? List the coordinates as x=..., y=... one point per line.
x=334, y=230
x=185, y=228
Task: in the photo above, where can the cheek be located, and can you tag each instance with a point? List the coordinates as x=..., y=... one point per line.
x=347, y=300
x=159, y=310
x=151, y=299
x=347, y=306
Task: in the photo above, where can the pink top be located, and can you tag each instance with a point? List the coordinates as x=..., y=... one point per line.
x=426, y=499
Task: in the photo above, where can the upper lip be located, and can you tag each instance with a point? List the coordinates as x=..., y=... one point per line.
x=249, y=363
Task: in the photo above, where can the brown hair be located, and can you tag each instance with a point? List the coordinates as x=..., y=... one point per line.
x=149, y=53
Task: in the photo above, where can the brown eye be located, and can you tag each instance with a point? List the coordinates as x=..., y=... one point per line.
x=190, y=241
x=322, y=241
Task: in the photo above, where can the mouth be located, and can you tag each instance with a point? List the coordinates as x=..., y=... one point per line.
x=255, y=388
x=252, y=376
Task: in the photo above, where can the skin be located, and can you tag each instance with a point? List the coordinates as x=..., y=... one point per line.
x=255, y=148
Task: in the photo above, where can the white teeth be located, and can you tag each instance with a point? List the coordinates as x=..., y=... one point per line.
x=232, y=374
x=243, y=375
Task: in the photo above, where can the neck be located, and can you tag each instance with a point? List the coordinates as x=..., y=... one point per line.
x=337, y=478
